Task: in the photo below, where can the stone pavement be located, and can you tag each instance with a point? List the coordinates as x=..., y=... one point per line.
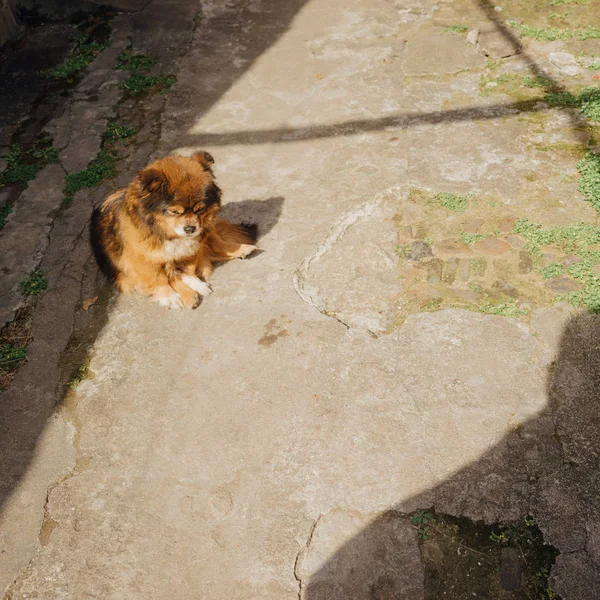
x=397, y=345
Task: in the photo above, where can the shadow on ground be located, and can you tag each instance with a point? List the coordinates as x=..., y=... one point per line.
x=38, y=386
x=548, y=467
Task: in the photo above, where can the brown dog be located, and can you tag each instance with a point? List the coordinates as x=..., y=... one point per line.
x=160, y=236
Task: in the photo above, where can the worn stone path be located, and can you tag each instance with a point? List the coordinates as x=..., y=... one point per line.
x=374, y=359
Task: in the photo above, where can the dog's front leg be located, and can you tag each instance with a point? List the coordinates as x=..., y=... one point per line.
x=190, y=288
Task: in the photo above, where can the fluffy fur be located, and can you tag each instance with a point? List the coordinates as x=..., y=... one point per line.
x=161, y=236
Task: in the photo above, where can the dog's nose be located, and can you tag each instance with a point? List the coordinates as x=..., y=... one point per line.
x=189, y=229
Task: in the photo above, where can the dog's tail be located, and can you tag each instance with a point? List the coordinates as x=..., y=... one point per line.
x=244, y=233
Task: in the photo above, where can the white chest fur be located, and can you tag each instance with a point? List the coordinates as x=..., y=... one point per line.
x=176, y=249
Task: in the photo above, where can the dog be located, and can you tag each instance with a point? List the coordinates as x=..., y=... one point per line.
x=161, y=235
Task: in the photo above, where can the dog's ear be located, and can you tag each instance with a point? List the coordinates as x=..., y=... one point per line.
x=153, y=180
x=204, y=158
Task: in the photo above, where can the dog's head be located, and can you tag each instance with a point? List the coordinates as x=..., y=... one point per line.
x=178, y=196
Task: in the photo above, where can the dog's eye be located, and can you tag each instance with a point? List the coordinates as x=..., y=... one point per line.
x=172, y=212
x=198, y=209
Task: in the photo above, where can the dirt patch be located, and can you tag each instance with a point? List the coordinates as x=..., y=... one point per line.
x=14, y=339
x=465, y=559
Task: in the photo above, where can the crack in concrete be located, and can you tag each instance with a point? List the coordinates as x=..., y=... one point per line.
x=301, y=553
x=308, y=292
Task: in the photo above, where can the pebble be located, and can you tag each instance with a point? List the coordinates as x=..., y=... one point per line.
x=566, y=63
x=473, y=36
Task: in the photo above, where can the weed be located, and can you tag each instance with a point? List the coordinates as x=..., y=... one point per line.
x=22, y=166
x=551, y=34
x=402, y=250
x=572, y=238
x=101, y=168
x=33, y=285
x=115, y=132
x=492, y=65
x=553, y=270
x=538, y=81
x=477, y=266
x=84, y=52
x=17, y=171
x=79, y=376
x=13, y=346
x=11, y=356
x=589, y=182
x=456, y=29
x=139, y=83
x=567, y=2
x=47, y=154
x=506, y=309
x=422, y=521
x=5, y=210
x=452, y=201
x=594, y=66
x=136, y=63
x=472, y=238
x=475, y=287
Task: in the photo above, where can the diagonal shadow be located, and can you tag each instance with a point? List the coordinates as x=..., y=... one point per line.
x=39, y=386
x=401, y=120
x=548, y=468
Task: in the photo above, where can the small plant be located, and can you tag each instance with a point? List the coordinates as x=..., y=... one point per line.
x=552, y=271
x=115, y=132
x=17, y=171
x=538, y=81
x=11, y=356
x=101, y=168
x=422, y=521
x=472, y=238
x=79, y=376
x=5, y=210
x=22, y=166
x=499, y=538
x=139, y=83
x=567, y=2
x=84, y=52
x=505, y=309
x=589, y=182
x=456, y=29
x=552, y=34
x=402, y=250
x=477, y=266
x=452, y=201
x=128, y=61
x=33, y=285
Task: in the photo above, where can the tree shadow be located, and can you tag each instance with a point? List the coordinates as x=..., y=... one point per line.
x=548, y=468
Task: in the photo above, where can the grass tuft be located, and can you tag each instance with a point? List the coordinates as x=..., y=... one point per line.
x=589, y=181
x=101, y=168
x=452, y=201
x=551, y=34
x=505, y=309
x=84, y=52
x=33, y=285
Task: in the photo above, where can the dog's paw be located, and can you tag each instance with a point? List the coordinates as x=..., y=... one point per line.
x=171, y=301
x=203, y=288
x=245, y=250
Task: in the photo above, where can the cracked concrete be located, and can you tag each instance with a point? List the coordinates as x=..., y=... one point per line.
x=270, y=444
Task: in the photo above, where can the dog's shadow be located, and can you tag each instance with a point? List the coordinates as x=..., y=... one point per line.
x=264, y=214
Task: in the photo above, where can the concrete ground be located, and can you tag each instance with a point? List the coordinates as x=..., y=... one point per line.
x=269, y=445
